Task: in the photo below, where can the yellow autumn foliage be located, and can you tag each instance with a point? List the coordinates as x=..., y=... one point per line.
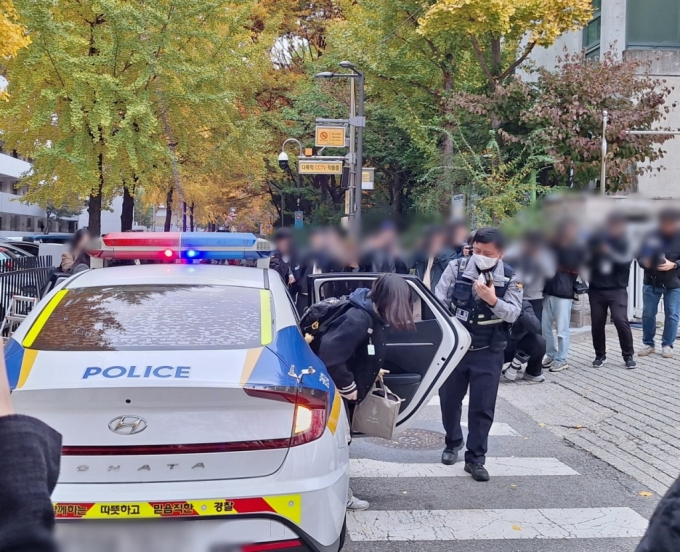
x=12, y=33
x=541, y=21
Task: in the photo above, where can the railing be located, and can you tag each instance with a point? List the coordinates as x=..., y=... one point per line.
x=26, y=276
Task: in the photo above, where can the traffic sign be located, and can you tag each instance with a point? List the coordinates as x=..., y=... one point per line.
x=330, y=136
x=367, y=178
x=320, y=167
x=267, y=229
x=298, y=219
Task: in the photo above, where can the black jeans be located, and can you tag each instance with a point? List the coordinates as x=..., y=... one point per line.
x=537, y=305
x=615, y=300
x=534, y=346
x=481, y=371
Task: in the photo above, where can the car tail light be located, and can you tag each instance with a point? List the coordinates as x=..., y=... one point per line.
x=279, y=545
x=311, y=410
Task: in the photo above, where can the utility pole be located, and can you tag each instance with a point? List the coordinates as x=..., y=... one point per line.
x=603, y=172
x=359, y=122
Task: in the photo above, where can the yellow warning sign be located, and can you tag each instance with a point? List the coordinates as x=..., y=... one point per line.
x=316, y=167
x=330, y=136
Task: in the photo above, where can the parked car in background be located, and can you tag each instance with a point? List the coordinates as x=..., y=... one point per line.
x=49, y=238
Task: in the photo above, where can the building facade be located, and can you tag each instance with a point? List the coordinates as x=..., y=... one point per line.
x=648, y=30
x=21, y=219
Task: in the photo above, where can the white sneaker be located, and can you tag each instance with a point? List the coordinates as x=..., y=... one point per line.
x=355, y=504
x=666, y=352
x=510, y=373
x=547, y=361
x=646, y=350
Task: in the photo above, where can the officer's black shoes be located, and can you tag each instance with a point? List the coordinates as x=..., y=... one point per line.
x=477, y=471
x=450, y=455
x=600, y=360
x=630, y=363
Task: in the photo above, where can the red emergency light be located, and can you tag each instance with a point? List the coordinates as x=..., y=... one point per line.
x=179, y=245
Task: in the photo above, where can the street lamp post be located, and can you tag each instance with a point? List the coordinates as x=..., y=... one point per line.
x=283, y=163
x=358, y=122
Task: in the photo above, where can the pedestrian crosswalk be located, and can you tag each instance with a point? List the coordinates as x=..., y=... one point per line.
x=497, y=467
x=452, y=525
x=490, y=523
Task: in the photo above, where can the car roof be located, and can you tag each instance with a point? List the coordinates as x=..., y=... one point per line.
x=168, y=274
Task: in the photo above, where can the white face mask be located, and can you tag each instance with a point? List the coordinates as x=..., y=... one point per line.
x=484, y=263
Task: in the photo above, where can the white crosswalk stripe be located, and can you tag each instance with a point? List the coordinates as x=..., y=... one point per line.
x=489, y=523
x=542, y=523
x=434, y=401
x=497, y=467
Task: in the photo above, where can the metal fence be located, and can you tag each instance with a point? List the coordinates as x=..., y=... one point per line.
x=25, y=276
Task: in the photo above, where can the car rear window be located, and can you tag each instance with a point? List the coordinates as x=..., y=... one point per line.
x=143, y=317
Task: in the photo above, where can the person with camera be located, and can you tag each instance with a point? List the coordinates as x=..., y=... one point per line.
x=485, y=295
x=660, y=259
x=609, y=260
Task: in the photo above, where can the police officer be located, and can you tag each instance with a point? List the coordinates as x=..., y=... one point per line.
x=486, y=297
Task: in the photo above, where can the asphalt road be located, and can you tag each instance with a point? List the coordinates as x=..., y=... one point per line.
x=544, y=494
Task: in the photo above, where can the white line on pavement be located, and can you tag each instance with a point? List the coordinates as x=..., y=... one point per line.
x=498, y=429
x=543, y=523
x=434, y=401
x=498, y=467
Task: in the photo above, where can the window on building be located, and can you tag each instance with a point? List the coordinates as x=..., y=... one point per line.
x=653, y=24
x=592, y=32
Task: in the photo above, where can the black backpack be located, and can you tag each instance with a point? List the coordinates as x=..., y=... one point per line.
x=317, y=317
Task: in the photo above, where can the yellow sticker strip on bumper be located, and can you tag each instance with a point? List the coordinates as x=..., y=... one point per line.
x=266, y=316
x=43, y=317
x=288, y=506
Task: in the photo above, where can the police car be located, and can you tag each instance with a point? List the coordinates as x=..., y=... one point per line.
x=186, y=391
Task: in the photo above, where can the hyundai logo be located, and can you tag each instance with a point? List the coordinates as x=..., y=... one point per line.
x=127, y=425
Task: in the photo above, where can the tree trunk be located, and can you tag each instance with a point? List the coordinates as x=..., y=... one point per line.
x=191, y=217
x=168, y=210
x=94, y=204
x=496, y=60
x=184, y=216
x=127, y=215
x=447, y=142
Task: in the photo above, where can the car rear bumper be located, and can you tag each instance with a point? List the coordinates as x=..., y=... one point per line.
x=305, y=500
x=243, y=533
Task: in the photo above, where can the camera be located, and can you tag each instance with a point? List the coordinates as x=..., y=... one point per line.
x=283, y=161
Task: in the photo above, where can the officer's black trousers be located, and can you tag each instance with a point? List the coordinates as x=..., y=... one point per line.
x=481, y=371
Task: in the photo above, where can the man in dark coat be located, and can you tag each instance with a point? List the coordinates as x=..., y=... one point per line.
x=431, y=260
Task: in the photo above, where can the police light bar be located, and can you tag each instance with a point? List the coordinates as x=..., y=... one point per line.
x=171, y=246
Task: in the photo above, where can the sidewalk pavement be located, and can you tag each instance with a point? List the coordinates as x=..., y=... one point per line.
x=628, y=418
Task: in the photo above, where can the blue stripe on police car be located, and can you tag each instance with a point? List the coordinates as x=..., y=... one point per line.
x=114, y=372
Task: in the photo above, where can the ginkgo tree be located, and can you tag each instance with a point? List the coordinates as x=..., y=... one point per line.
x=503, y=33
x=113, y=95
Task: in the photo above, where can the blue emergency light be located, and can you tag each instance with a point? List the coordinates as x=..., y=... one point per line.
x=180, y=245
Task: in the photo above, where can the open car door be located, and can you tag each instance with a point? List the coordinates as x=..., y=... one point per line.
x=418, y=362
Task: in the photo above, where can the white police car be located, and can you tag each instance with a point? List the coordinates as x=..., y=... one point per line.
x=186, y=391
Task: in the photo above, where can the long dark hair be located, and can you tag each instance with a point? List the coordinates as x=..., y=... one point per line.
x=391, y=296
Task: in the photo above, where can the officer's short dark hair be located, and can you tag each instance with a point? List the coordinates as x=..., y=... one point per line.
x=490, y=235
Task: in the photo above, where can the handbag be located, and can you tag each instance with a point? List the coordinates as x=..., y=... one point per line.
x=376, y=415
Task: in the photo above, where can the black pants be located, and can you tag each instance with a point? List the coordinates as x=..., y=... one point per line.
x=481, y=371
x=534, y=346
x=537, y=305
x=615, y=300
